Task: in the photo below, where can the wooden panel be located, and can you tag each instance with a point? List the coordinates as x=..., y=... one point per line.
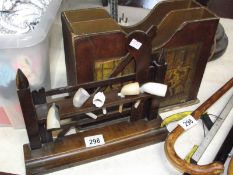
x=93, y=48
x=182, y=65
x=95, y=26
x=85, y=15
x=71, y=150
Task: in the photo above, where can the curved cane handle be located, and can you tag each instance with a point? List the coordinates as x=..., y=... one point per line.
x=210, y=169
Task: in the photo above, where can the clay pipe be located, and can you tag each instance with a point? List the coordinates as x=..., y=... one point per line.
x=209, y=169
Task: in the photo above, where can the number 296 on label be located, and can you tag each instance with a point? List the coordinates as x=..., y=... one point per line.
x=92, y=141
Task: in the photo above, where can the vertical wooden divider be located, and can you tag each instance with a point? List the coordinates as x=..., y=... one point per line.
x=28, y=110
x=39, y=97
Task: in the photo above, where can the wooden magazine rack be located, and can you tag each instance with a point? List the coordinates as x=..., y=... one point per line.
x=185, y=30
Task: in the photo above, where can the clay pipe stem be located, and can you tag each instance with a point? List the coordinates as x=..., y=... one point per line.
x=209, y=169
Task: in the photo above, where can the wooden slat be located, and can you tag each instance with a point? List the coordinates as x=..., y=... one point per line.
x=91, y=85
x=39, y=98
x=67, y=110
x=85, y=121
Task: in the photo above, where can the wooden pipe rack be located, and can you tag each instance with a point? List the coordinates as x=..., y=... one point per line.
x=122, y=131
x=130, y=129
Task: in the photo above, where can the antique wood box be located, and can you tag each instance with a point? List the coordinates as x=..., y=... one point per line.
x=94, y=44
x=99, y=37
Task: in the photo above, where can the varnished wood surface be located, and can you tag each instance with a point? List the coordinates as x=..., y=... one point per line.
x=173, y=19
x=96, y=26
x=66, y=108
x=96, y=47
x=101, y=45
x=28, y=109
x=205, y=39
x=91, y=85
x=85, y=15
x=71, y=150
x=210, y=169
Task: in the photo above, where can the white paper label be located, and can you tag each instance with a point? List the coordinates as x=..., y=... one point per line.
x=187, y=122
x=94, y=140
x=135, y=44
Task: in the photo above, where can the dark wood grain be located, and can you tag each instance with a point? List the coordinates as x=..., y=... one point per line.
x=71, y=150
x=90, y=35
x=67, y=109
x=122, y=131
x=91, y=85
x=142, y=56
x=202, y=20
x=39, y=98
x=28, y=110
x=172, y=19
x=160, y=68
